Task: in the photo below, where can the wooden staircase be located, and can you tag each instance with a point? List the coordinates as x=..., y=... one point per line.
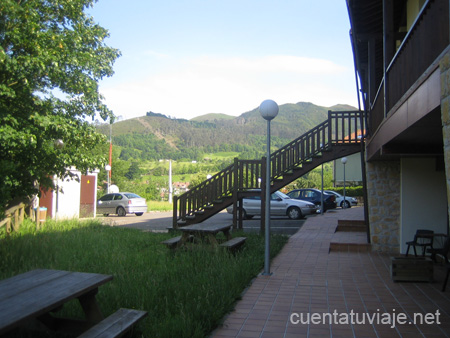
x=340, y=135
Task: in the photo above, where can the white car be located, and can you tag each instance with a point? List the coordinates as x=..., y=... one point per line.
x=121, y=203
x=349, y=201
x=280, y=205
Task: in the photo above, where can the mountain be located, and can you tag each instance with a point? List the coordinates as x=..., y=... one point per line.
x=156, y=136
x=212, y=117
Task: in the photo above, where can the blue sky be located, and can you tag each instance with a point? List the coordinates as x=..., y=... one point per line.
x=189, y=58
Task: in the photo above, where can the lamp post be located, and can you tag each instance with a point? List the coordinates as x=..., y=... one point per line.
x=321, y=198
x=268, y=110
x=58, y=144
x=108, y=169
x=344, y=161
x=170, y=182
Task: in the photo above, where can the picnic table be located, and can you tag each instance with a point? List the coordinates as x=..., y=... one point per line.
x=38, y=293
x=205, y=232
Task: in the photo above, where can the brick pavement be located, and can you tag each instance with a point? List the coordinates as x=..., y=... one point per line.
x=349, y=284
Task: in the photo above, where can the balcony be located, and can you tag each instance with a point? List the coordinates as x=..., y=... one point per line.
x=415, y=60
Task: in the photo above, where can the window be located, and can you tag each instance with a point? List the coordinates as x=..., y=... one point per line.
x=107, y=197
x=132, y=196
x=295, y=194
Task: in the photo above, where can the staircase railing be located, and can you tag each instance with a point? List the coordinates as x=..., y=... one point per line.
x=341, y=128
x=242, y=174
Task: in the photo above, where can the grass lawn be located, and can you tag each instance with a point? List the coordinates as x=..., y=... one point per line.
x=186, y=292
x=159, y=206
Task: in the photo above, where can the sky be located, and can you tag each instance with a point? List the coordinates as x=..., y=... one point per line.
x=189, y=58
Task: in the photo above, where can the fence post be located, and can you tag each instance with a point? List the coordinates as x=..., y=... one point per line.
x=16, y=220
x=329, y=129
x=235, y=193
x=8, y=226
x=174, y=214
x=21, y=213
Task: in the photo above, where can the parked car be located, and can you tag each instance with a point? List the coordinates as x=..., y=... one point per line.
x=121, y=203
x=314, y=196
x=280, y=205
x=349, y=201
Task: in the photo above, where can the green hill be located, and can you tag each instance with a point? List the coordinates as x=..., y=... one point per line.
x=212, y=117
x=156, y=136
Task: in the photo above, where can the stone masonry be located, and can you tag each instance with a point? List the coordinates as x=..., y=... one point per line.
x=445, y=115
x=383, y=185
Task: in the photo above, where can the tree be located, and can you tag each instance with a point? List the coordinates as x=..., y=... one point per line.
x=134, y=171
x=52, y=56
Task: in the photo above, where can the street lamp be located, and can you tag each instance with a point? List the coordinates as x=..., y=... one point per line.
x=268, y=110
x=321, y=198
x=344, y=161
x=108, y=169
x=58, y=143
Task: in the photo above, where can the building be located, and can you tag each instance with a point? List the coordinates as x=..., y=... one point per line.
x=353, y=171
x=73, y=198
x=402, y=58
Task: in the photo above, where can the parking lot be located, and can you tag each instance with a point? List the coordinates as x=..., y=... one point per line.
x=161, y=221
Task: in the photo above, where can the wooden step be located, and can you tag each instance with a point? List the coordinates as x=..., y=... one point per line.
x=350, y=247
x=351, y=226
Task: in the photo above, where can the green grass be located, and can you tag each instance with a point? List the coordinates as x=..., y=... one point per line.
x=159, y=206
x=186, y=292
x=222, y=155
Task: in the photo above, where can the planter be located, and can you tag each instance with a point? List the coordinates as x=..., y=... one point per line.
x=411, y=269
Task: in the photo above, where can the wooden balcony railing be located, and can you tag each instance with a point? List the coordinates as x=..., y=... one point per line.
x=424, y=43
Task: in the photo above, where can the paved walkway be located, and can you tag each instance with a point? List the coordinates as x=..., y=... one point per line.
x=340, y=292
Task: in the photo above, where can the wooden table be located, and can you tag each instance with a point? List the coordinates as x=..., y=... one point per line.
x=208, y=231
x=37, y=293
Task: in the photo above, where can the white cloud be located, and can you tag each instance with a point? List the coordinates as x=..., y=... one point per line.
x=234, y=85
x=272, y=63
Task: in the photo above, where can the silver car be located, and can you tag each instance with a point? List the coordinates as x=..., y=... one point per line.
x=280, y=205
x=121, y=203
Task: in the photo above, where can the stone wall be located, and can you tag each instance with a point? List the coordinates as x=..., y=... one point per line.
x=383, y=190
x=445, y=114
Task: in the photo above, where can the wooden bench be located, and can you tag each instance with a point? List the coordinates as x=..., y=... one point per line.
x=34, y=294
x=115, y=325
x=175, y=241
x=234, y=243
x=172, y=242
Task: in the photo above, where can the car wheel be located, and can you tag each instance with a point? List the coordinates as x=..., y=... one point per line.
x=138, y=213
x=294, y=213
x=121, y=212
x=106, y=215
x=346, y=205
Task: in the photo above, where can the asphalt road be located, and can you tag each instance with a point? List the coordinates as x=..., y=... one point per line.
x=160, y=221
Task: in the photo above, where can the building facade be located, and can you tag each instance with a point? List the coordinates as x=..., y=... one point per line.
x=402, y=58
